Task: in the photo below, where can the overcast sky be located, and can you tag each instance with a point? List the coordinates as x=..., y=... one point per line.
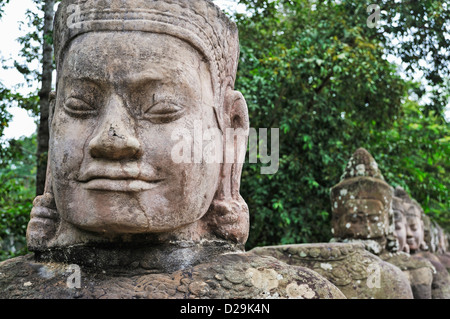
x=23, y=124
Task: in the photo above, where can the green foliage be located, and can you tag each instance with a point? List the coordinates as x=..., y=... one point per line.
x=5, y=116
x=422, y=33
x=416, y=155
x=17, y=190
x=317, y=72
x=2, y=4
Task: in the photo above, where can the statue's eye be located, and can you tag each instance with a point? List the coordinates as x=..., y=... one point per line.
x=78, y=108
x=164, y=111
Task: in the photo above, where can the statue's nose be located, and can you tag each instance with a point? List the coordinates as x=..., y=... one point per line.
x=115, y=137
x=409, y=233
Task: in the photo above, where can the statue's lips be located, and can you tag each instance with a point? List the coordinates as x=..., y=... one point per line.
x=118, y=182
x=125, y=185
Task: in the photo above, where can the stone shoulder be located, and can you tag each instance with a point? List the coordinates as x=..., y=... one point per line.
x=245, y=276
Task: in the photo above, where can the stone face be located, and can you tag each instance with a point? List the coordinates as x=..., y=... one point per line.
x=245, y=276
x=412, y=211
x=436, y=241
x=415, y=240
x=430, y=237
x=399, y=224
x=355, y=271
x=362, y=204
x=124, y=87
x=442, y=247
x=138, y=84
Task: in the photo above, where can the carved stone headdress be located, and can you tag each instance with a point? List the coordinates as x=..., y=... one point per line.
x=404, y=196
x=200, y=23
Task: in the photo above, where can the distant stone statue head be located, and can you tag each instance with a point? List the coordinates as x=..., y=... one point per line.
x=399, y=221
x=362, y=203
x=131, y=76
x=441, y=239
x=413, y=212
x=429, y=235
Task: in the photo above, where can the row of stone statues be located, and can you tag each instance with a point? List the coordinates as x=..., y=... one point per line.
x=121, y=219
x=390, y=224
x=388, y=231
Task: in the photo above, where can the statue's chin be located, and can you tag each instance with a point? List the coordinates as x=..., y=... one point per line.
x=114, y=213
x=136, y=222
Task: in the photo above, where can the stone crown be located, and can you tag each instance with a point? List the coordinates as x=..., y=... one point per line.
x=362, y=164
x=200, y=23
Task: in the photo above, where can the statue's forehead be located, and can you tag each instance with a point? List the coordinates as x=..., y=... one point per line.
x=412, y=219
x=368, y=203
x=128, y=54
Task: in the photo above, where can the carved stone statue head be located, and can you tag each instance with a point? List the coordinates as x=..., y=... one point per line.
x=413, y=212
x=415, y=230
x=362, y=202
x=441, y=239
x=429, y=235
x=399, y=222
x=133, y=77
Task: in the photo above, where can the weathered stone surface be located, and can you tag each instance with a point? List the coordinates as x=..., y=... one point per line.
x=441, y=278
x=419, y=272
x=133, y=78
x=242, y=275
x=436, y=241
x=415, y=239
x=356, y=272
x=362, y=204
x=399, y=223
x=388, y=224
x=444, y=258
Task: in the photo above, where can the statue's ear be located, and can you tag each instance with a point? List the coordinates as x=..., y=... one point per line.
x=52, y=104
x=406, y=249
x=44, y=218
x=228, y=214
x=236, y=137
x=423, y=245
x=48, y=179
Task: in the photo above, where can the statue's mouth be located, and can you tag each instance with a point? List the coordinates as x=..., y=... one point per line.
x=119, y=185
x=117, y=180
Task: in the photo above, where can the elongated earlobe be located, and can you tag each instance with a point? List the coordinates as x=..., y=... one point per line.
x=44, y=222
x=228, y=216
x=44, y=218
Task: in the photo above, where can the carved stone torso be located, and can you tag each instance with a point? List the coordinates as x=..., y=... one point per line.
x=441, y=277
x=355, y=271
x=243, y=276
x=419, y=272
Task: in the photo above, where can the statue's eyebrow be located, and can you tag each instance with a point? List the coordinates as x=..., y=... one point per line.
x=144, y=77
x=85, y=80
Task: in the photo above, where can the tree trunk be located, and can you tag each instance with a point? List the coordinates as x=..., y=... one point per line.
x=44, y=94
